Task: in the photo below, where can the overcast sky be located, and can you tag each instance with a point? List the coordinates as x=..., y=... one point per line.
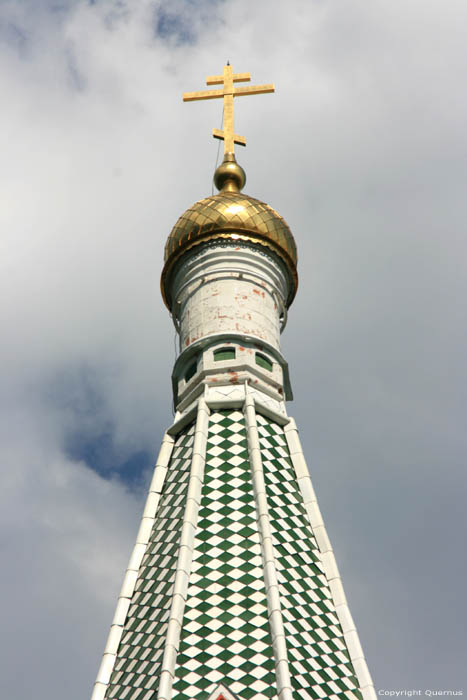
x=363, y=151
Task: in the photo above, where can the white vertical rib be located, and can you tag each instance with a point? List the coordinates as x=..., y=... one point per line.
x=329, y=562
x=284, y=685
x=182, y=576
x=131, y=575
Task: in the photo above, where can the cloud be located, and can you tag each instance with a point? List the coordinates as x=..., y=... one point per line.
x=362, y=149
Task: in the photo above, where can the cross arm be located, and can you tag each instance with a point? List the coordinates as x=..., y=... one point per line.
x=202, y=95
x=240, y=140
x=219, y=79
x=253, y=90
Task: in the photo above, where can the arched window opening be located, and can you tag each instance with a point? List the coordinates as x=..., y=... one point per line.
x=224, y=354
x=263, y=361
x=191, y=371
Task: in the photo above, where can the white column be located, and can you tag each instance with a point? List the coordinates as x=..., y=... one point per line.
x=229, y=289
x=329, y=562
x=129, y=582
x=284, y=685
x=182, y=576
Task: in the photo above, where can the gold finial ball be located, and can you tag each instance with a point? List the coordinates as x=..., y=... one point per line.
x=229, y=176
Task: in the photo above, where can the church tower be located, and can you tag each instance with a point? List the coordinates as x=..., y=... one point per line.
x=232, y=591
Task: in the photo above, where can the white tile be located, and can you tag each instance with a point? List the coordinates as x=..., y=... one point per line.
x=185, y=557
x=353, y=645
x=279, y=646
x=337, y=592
x=191, y=665
x=158, y=479
x=191, y=511
x=345, y=618
x=144, y=531
x=178, y=607
x=330, y=566
x=194, y=489
x=113, y=640
x=258, y=584
x=214, y=676
x=165, y=686
x=192, y=626
x=188, y=535
x=137, y=557
x=98, y=691
x=192, y=678
x=106, y=668
x=121, y=611
x=286, y=694
x=368, y=693
x=170, y=657
x=283, y=674
x=270, y=577
x=213, y=662
x=129, y=583
x=361, y=670
x=151, y=504
x=258, y=684
x=192, y=650
x=236, y=674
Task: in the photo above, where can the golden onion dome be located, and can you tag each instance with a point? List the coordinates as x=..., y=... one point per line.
x=230, y=215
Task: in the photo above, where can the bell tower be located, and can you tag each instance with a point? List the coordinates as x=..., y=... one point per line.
x=232, y=590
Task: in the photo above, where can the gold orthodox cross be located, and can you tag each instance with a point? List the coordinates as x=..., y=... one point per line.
x=228, y=92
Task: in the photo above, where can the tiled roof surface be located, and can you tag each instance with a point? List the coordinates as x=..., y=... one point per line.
x=138, y=665
x=227, y=629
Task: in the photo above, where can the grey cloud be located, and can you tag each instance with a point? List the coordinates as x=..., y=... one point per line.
x=362, y=150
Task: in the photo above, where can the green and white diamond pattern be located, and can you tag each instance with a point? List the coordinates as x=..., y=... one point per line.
x=319, y=663
x=225, y=632
x=138, y=664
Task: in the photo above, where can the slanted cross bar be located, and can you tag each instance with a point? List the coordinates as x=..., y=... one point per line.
x=228, y=92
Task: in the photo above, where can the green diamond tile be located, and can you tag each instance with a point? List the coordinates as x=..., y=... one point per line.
x=139, y=656
x=308, y=626
x=227, y=543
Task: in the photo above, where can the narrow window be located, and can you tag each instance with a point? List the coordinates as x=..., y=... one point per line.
x=263, y=361
x=191, y=371
x=224, y=354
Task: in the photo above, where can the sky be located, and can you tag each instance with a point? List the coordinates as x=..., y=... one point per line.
x=363, y=150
